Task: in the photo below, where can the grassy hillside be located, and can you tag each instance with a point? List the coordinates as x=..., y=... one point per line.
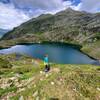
x=4, y=63
x=26, y=80
x=92, y=49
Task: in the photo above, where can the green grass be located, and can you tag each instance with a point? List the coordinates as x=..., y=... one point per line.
x=74, y=82
x=4, y=63
x=7, y=90
x=93, y=49
x=85, y=79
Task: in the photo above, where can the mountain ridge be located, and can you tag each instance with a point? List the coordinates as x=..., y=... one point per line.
x=64, y=23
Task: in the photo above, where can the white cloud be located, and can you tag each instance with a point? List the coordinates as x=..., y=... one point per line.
x=41, y=4
x=76, y=7
x=19, y=11
x=11, y=17
x=89, y=5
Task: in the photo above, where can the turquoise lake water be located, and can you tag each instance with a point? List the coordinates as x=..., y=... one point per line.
x=58, y=53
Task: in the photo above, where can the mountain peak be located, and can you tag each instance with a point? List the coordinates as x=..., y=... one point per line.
x=69, y=9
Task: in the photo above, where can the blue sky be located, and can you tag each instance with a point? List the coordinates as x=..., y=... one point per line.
x=15, y=12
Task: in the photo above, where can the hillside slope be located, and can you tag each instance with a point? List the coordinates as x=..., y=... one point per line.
x=27, y=80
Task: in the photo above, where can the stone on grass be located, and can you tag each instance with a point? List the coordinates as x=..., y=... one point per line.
x=52, y=83
x=21, y=89
x=41, y=79
x=21, y=98
x=37, y=98
x=41, y=72
x=46, y=75
x=98, y=89
x=35, y=94
x=34, y=85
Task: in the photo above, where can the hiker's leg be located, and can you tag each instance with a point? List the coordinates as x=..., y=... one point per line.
x=46, y=68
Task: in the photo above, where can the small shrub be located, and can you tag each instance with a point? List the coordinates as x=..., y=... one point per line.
x=4, y=63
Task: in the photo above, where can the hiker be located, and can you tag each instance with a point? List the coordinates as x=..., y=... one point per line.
x=46, y=63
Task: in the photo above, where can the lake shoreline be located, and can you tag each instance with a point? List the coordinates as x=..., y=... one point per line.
x=76, y=46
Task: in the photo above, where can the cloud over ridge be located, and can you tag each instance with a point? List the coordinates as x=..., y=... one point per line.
x=15, y=12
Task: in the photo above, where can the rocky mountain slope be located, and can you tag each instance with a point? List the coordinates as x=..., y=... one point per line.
x=2, y=32
x=68, y=25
